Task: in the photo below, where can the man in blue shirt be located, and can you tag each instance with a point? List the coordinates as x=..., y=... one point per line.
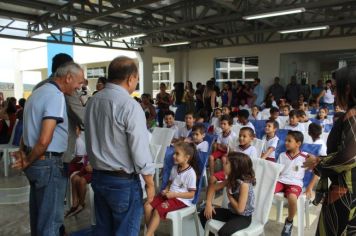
x=259, y=92
x=118, y=149
x=45, y=137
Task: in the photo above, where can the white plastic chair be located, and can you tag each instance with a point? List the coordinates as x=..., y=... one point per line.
x=307, y=138
x=258, y=144
x=267, y=174
x=324, y=136
x=92, y=205
x=236, y=129
x=302, y=208
x=185, y=220
x=283, y=120
x=179, y=124
x=7, y=148
x=163, y=137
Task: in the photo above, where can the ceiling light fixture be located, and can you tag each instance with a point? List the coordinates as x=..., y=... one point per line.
x=132, y=36
x=274, y=13
x=174, y=44
x=324, y=27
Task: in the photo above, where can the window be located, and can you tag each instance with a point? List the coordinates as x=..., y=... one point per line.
x=161, y=74
x=94, y=73
x=236, y=69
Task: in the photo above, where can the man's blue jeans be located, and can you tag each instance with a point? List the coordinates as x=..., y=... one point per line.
x=118, y=205
x=47, y=191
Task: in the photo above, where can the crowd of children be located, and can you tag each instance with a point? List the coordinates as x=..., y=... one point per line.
x=234, y=151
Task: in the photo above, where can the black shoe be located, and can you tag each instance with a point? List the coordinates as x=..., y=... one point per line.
x=287, y=229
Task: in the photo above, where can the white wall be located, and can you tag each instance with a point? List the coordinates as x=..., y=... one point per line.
x=201, y=62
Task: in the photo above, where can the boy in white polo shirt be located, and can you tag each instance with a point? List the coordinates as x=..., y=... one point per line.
x=290, y=180
x=271, y=141
x=294, y=122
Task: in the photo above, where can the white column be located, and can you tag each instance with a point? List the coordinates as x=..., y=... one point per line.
x=18, y=81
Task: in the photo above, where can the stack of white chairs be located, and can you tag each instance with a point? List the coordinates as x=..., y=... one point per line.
x=267, y=174
x=163, y=137
x=6, y=149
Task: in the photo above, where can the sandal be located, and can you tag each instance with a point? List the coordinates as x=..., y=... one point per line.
x=78, y=210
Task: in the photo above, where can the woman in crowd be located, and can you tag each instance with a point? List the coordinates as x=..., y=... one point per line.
x=338, y=215
x=326, y=97
x=189, y=97
x=209, y=97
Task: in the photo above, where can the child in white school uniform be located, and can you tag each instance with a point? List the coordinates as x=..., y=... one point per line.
x=294, y=124
x=246, y=137
x=271, y=141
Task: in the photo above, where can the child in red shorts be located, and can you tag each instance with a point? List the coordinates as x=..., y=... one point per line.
x=290, y=181
x=80, y=175
x=220, y=147
x=180, y=190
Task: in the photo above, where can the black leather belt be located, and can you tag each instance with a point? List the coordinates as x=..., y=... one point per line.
x=118, y=173
x=46, y=154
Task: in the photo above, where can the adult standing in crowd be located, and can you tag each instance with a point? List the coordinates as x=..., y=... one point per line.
x=326, y=97
x=75, y=111
x=276, y=89
x=305, y=89
x=45, y=138
x=338, y=215
x=189, y=97
x=163, y=102
x=119, y=152
x=292, y=90
x=317, y=89
x=259, y=92
x=199, y=103
x=226, y=94
x=209, y=97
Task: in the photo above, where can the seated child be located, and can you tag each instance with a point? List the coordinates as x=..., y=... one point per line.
x=185, y=131
x=285, y=110
x=239, y=185
x=169, y=123
x=274, y=115
x=243, y=105
x=198, y=134
x=323, y=116
x=226, y=110
x=220, y=148
x=255, y=113
x=80, y=174
x=294, y=122
x=215, y=121
x=315, y=131
x=242, y=119
x=246, y=137
x=290, y=180
x=271, y=141
x=303, y=119
x=180, y=190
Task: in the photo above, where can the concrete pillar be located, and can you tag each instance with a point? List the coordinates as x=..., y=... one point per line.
x=18, y=81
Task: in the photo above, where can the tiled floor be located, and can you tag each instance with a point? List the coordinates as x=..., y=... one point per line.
x=14, y=218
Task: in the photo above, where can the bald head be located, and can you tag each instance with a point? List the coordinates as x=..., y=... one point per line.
x=121, y=68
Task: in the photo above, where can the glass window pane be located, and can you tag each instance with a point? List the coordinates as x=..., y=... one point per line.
x=155, y=86
x=155, y=76
x=155, y=67
x=235, y=74
x=164, y=75
x=165, y=66
x=251, y=75
x=236, y=62
x=221, y=63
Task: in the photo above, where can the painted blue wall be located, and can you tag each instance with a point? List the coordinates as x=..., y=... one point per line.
x=54, y=48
